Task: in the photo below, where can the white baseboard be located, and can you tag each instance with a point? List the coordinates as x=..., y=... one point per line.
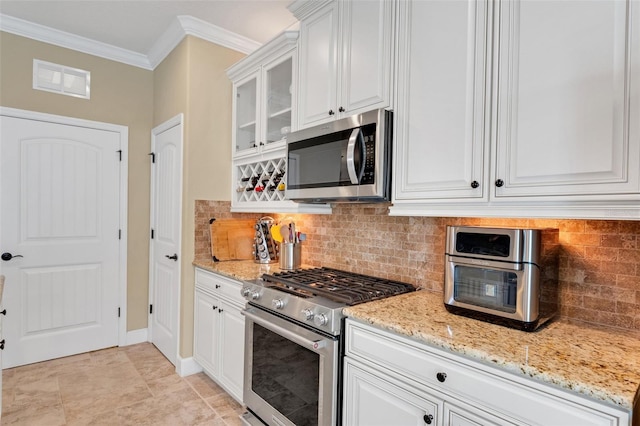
x=187, y=366
x=137, y=336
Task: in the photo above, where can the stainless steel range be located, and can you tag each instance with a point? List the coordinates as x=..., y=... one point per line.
x=293, y=344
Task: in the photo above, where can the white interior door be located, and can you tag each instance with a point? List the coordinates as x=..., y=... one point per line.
x=60, y=197
x=166, y=220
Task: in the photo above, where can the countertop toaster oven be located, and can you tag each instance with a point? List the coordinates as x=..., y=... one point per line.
x=502, y=275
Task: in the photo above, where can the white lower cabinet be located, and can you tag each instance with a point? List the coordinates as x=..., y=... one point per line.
x=392, y=380
x=218, y=341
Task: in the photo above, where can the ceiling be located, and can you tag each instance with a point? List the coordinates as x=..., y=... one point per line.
x=136, y=26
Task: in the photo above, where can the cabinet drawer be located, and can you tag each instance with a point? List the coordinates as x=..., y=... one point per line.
x=485, y=386
x=219, y=285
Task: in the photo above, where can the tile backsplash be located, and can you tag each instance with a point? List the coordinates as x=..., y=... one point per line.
x=599, y=261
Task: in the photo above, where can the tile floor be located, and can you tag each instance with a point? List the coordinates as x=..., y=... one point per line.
x=132, y=385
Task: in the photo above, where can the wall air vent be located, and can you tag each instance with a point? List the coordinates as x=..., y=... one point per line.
x=60, y=79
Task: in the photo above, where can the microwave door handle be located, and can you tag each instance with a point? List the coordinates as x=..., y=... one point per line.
x=351, y=162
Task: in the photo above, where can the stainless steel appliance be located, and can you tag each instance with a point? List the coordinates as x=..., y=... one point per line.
x=293, y=342
x=348, y=160
x=496, y=274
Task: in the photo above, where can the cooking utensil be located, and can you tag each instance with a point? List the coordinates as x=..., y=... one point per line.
x=276, y=234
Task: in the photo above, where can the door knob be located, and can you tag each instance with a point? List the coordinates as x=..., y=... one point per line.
x=9, y=256
x=174, y=257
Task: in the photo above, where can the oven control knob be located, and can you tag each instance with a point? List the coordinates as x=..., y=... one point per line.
x=278, y=303
x=307, y=314
x=255, y=295
x=320, y=320
x=245, y=292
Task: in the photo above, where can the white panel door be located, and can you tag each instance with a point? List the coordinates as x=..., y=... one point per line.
x=441, y=108
x=373, y=400
x=60, y=198
x=366, y=56
x=164, y=289
x=232, y=349
x=568, y=106
x=318, y=67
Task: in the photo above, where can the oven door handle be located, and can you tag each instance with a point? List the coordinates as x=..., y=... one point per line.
x=313, y=345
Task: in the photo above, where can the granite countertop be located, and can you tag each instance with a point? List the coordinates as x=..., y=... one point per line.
x=244, y=270
x=601, y=364
x=598, y=363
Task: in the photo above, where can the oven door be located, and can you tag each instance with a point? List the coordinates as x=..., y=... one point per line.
x=508, y=290
x=291, y=372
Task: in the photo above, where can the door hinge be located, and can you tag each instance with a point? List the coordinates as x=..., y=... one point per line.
x=153, y=157
x=152, y=233
x=119, y=234
x=120, y=154
x=118, y=312
x=150, y=309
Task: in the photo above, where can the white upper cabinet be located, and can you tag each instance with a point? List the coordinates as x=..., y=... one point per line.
x=518, y=108
x=263, y=94
x=346, y=58
x=568, y=90
x=264, y=112
x=442, y=111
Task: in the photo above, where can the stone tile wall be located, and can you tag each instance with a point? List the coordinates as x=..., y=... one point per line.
x=599, y=261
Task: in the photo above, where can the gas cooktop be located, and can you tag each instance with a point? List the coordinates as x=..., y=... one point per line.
x=339, y=286
x=317, y=296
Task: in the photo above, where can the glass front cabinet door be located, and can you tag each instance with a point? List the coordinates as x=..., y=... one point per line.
x=263, y=93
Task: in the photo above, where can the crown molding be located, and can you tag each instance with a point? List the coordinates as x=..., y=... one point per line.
x=179, y=28
x=70, y=41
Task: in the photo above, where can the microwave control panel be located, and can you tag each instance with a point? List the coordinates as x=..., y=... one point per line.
x=369, y=175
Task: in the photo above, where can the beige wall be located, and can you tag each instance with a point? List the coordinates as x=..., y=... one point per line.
x=120, y=94
x=192, y=80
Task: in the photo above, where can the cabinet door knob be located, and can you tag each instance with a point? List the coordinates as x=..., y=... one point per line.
x=499, y=183
x=441, y=377
x=475, y=184
x=220, y=311
x=217, y=285
x=214, y=307
x=428, y=418
x=2, y=345
x=331, y=112
x=341, y=109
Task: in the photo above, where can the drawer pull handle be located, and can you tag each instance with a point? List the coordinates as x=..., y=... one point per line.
x=428, y=418
x=441, y=377
x=218, y=285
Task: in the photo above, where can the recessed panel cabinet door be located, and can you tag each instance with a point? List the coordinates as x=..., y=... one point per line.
x=366, y=60
x=441, y=107
x=318, y=64
x=371, y=400
x=568, y=97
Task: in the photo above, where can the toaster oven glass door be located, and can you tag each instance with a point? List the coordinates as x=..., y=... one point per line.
x=490, y=288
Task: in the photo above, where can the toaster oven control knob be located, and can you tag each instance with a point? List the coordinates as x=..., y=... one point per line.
x=320, y=320
x=307, y=314
x=278, y=303
x=441, y=377
x=245, y=292
x=255, y=295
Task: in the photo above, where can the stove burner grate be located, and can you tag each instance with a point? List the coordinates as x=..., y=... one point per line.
x=340, y=286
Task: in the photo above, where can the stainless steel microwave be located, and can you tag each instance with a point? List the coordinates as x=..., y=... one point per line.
x=348, y=160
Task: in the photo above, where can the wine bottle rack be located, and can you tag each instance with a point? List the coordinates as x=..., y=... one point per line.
x=261, y=181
